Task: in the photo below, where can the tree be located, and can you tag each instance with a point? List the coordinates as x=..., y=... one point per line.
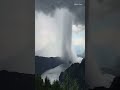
x=74, y=85
x=56, y=86
x=69, y=84
x=47, y=84
x=66, y=83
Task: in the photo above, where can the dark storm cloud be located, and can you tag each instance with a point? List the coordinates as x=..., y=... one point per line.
x=49, y=6
x=103, y=38
x=17, y=35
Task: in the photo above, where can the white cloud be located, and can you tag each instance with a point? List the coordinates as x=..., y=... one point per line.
x=78, y=28
x=46, y=35
x=49, y=33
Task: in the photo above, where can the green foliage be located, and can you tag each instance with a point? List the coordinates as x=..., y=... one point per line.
x=56, y=86
x=68, y=84
x=74, y=85
x=47, y=85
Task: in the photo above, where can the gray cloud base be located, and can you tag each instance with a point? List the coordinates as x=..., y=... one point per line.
x=48, y=6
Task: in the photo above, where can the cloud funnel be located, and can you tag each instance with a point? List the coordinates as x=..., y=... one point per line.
x=64, y=22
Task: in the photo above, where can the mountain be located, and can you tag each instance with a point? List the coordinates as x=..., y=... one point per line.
x=16, y=81
x=43, y=64
x=75, y=72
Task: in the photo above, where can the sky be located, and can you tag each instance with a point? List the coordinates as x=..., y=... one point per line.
x=78, y=39
x=46, y=28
